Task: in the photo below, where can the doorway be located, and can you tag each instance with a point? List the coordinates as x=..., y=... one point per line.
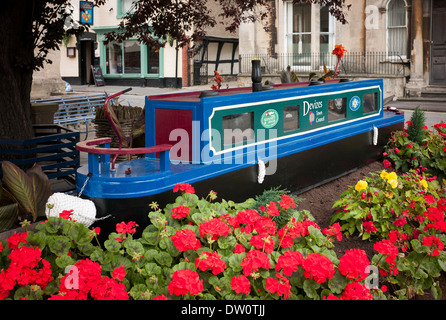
x=438, y=43
x=86, y=58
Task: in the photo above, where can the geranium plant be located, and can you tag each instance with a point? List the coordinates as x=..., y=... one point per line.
x=194, y=249
x=405, y=215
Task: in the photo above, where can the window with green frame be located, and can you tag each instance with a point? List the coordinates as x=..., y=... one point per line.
x=130, y=57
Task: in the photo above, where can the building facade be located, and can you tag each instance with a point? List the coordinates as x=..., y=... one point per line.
x=402, y=41
x=136, y=64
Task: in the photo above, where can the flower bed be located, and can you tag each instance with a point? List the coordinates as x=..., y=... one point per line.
x=208, y=249
x=194, y=249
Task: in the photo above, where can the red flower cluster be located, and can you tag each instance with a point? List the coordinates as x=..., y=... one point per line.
x=85, y=281
x=185, y=281
x=240, y=284
x=289, y=262
x=318, y=267
x=210, y=260
x=369, y=226
x=263, y=241
x=66, y=214
x=434, y=242
x=214, y=228
x=26, y=268
x=185, y=240
x=280, y=285
x=16, y=239
x=356, y=291
x=386, y=248
x=353, y=265
x=334, y=231
x=290, y=231
x=286, y=202
x=184, y=187
x=124, y=228
x=180, y=212
x=272, y=209
x=254, y=261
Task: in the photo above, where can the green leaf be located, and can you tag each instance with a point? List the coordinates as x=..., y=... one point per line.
x=163, y=258
x=226, y=242
x=310, y=287
x=20, y=186
x=235, y=260
x=317, y=235
x=152, y=269
x=64, y=261
x=337, y=283
x=9, y=215
x=59, y=245
x=41, y=186
x=157, y=219
x=112, y=245
x=150, y=236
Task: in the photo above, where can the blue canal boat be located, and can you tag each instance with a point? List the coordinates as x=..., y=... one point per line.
x=238, y=143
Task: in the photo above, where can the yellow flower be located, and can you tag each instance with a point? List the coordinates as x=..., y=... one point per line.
x=424, y=183
x=384, y=175
x=389, y=195
x=393, y=183
x=361, y=185
x=392, y=176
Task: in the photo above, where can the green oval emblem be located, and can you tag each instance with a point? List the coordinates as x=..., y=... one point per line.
x=269, y=118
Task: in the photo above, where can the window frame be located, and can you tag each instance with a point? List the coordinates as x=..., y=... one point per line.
x=388, y=27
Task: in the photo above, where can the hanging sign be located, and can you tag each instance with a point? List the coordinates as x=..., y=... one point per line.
x=86, y=12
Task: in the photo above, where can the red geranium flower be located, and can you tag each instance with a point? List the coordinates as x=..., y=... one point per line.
x=180, y=212
x=16, y=239
x=119, y=273
x=184, y=187
x=286, y=202
x=185, y=240
x=240, y=284
x=214, y=228
x=318, y=267
x=280, y=285
x=353, y=265
x=289, y=262
x=185, y=281
x=129, y=227
x=254, y=261
x=210, y=260
x=356, y=291
x=263, y=242
x=272, y=209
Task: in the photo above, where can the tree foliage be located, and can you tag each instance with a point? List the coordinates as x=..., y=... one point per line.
x=155, y=22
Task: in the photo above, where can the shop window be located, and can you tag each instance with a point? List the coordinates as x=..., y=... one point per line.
x=370, y=103
x=290, y=118
x=113, y=56
x=132, y=57
x=238, y=128
x=336, y=109
x=153, y=60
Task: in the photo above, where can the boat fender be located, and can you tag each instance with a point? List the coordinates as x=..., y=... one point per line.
x=375, y=136
x=83, y=210
x=262, y=172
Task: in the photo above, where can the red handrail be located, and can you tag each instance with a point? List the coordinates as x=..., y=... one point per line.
x=91, y=147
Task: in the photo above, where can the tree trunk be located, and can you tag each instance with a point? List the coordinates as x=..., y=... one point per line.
x=16, y=69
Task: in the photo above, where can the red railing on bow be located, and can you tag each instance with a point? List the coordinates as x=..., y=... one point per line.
x=91, y=147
